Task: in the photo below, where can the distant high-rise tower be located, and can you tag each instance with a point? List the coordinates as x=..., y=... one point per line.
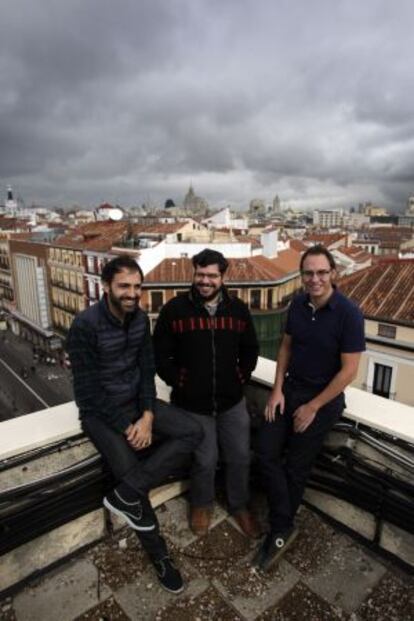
x=276, y=204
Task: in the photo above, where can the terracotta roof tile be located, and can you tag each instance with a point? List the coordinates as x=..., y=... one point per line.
x=243, y=270
x=384, y=291
x=358, y=254
x=93, y=236
x=324, y=238
x=253, y=269
x=297, y=245
x=249, y=239
x=160, y=228
x=287, y=261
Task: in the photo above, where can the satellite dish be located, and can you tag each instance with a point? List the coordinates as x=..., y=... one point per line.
x=115, y=214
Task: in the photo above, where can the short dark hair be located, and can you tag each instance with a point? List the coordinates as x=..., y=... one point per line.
x=318, y=250
x=210, y=257
x=123, y=262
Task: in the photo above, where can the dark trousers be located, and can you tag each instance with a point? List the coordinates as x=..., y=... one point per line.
x=179, y=436
x=229, y=431
x=285, y=458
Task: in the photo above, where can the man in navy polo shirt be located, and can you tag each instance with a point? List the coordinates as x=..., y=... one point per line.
x=318, y=358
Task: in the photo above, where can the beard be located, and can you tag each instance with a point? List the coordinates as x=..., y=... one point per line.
x=207, y=297
x=117, y=303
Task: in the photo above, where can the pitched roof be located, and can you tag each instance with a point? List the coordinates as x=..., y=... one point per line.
x=383, y=291
x=297, y=245
x=326, y=239
x=7, y=223
x=253, y=269
x=387, y=233
x=93, y=236
x=356, y=253
x=248, y=239
x=240, y=271
x=159, y=228
x=287, y=261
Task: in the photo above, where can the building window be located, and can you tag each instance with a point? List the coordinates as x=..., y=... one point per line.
x=386, y=330
x=73, y=280
x=157, y=300
x=79, y=278
x=255, y=298
x=382, y=380
x=269, y=298
x=92, y=289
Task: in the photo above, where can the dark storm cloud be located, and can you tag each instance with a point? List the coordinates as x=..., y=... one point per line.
x=121, y=101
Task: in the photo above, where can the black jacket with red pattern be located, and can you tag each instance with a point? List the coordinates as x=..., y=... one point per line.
x=205, y=359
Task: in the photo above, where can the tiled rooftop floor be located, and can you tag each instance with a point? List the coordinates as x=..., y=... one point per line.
x=324, y=575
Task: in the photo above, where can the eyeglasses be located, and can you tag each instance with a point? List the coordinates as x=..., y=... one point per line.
x=321, y=274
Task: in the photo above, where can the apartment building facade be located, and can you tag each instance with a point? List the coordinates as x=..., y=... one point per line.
x=31, y=318
x=385, y=293
x=67, y=286
x=6, y=278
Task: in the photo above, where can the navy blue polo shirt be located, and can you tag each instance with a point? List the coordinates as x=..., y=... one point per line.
x=320, y=336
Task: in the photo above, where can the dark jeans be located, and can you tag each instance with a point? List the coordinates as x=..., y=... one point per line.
x=285, y=458
x=179, y=436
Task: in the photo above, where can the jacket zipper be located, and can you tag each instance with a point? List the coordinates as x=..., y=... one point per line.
x=213, y=347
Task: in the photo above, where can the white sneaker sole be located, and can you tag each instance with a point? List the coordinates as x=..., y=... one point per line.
x=123, y=515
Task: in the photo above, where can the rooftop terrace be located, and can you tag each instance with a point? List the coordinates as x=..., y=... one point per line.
x=344, y=564
x=325, y=575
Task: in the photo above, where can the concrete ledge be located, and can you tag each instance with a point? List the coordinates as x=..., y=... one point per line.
x=49, y=548
x=29, y=432
x=392, y=417
x=394, y=540
x=25, y=433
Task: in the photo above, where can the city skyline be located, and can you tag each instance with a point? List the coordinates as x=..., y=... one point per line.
x=243, y=100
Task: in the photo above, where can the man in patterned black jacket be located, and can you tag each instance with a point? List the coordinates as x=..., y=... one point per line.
x=110, y=350
x=206, y=348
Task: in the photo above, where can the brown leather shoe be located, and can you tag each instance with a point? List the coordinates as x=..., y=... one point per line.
x=248, y=524
x=200, y=520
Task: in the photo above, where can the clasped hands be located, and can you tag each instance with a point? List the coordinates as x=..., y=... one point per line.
x=139, y=434
x=303, y=416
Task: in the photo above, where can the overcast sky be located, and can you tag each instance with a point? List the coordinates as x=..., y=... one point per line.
x=130, y=101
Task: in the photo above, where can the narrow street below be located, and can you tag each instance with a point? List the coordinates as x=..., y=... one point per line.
x=37, y=387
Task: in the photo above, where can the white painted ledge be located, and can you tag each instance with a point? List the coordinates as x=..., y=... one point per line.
x=25, y=433
x=392, y=417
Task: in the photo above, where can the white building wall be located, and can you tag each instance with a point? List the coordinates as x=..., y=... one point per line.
x=43, y=298
x=234, y=250
x=27, y=292
x=269, y=240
